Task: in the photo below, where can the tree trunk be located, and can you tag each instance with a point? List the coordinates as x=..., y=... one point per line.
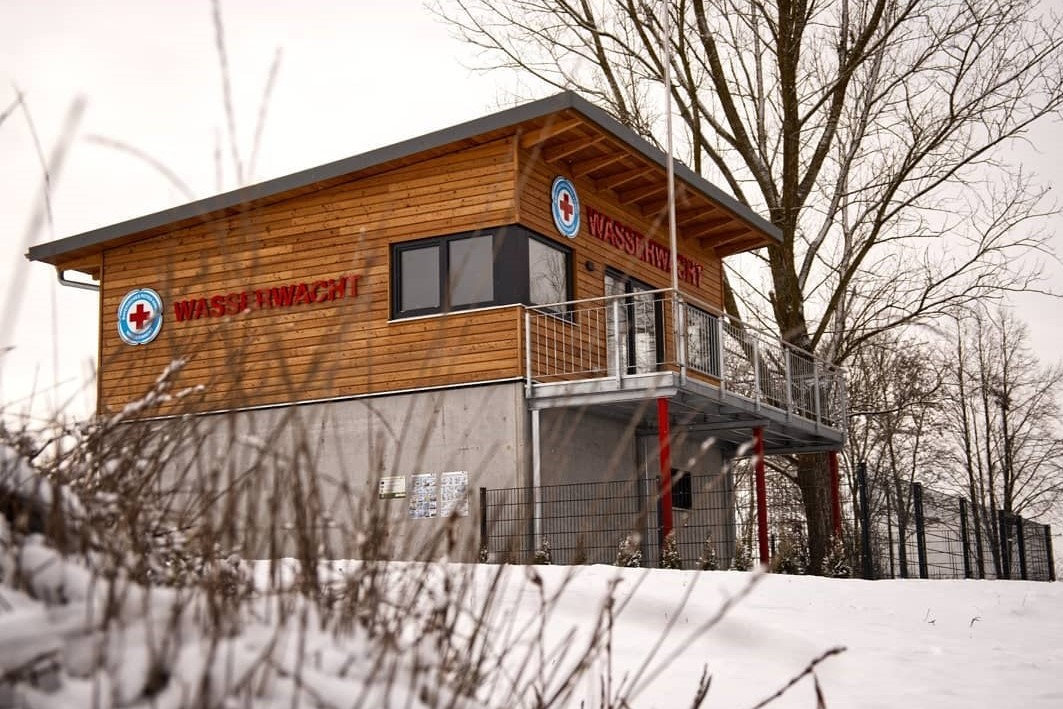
x=813, y=479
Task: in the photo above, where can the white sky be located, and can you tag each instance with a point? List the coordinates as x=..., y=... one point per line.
x=354, y=76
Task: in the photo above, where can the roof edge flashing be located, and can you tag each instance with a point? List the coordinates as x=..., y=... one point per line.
x=500, y=120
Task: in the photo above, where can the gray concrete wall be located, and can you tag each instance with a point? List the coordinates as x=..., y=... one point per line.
x=277, y=481
x=582, y=446
x=319, y=466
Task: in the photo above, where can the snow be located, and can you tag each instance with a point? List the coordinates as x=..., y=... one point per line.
x=75, y=632
x=906, y=643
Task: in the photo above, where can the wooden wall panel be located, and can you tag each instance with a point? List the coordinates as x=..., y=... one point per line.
x=533, y=205
x=325, y=349
x=589, y=346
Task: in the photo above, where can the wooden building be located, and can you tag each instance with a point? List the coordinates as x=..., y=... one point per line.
x=491, y=302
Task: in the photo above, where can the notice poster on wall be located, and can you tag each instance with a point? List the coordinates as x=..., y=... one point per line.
x=454, y=494
x=392, y=488
x=423, y=499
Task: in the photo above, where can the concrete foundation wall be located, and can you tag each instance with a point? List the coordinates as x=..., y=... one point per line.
x=578, y=446
x=319, y=467
x=306, y=480
x=584, y=446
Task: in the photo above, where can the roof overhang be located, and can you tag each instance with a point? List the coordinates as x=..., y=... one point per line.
x=561, y=129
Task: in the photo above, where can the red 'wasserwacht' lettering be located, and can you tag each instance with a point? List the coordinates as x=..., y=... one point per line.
x=282, y=296
x=635, y=244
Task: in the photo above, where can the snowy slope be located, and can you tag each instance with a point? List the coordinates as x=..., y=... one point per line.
x=941, y=644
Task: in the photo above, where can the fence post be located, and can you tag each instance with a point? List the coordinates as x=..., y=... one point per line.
x=682, y=334
x=920, y=529
x=979, y=545
x=1048, y=552
x=483, y=519
x=815, y=391
x=756, y=375
x=1020, y=537
x=527, y=354
x=889, y=530
x=722, y=353
x=865, y=521
x=1005, y=547
x=963, y=535
x=787, y=353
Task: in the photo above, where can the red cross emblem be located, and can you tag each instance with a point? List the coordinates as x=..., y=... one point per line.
x=140, y=316
x=565, y=206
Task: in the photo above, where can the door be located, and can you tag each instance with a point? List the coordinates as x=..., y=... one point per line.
x=634, y=324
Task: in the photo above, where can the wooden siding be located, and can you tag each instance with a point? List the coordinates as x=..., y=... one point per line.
x=587, y=343
x=533, y=205
x=326, y=349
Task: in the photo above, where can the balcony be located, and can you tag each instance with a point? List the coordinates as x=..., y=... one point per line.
x=722, y=376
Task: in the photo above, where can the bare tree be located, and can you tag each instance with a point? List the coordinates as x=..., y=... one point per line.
x=867, y=130
x=1004, y=422
x=897, y=395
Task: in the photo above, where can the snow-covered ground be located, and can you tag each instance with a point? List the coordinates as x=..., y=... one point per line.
x=941, y=644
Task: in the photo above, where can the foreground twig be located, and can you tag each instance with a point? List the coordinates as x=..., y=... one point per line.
x=809, y=669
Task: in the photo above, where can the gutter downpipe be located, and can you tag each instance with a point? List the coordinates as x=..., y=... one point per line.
x=537, y=481
x=64, y=281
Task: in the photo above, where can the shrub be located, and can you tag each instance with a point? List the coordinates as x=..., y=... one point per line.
x=542, y=554
x=836, y=563
x=628, y=553
x=708, y=561
x=743, y=560
x=791, y=557
x=670, y=558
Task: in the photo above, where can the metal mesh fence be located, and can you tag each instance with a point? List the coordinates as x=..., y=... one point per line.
x=896, y=530
x=917, y=532
x=585, y=523
x=1037, y=552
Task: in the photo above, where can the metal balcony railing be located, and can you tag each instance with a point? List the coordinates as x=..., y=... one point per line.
x=634, y=333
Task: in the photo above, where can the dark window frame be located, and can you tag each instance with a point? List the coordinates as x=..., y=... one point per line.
x=511, y=270
x=682, y=489
x=448, y=288
x=632, y=287
x=570, y=285
x=397, y=256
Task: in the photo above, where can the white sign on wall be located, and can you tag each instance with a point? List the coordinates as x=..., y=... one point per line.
x=454, y=494
x=392, y=488
x=423, y=499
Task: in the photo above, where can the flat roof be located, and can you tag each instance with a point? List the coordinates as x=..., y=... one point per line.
x=53, y=251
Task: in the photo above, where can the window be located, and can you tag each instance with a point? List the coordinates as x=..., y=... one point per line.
x=420, y=282
x=682, y=490
x=547, y=273
x=473, y=270
x=634, y=326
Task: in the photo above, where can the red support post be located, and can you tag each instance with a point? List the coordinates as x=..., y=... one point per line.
x=762, y=495
x=664, y=443
x=835, y=494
